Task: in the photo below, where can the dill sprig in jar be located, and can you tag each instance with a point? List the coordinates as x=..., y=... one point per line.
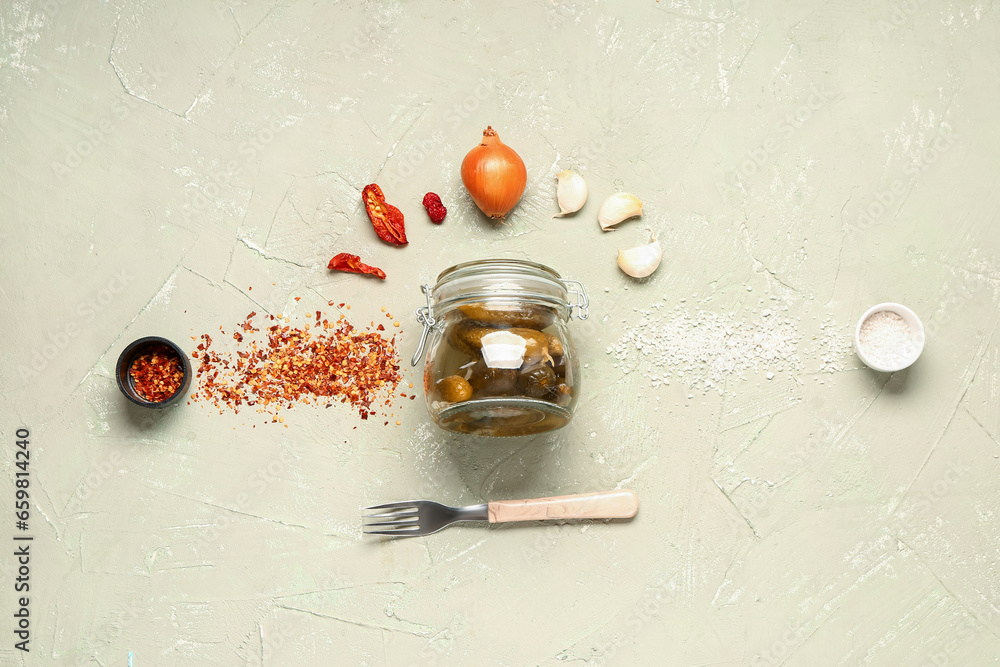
x=498, y=356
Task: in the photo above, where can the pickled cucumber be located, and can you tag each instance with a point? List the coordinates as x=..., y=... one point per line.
x=528, y=316
x=487, y=382
x=537, y=381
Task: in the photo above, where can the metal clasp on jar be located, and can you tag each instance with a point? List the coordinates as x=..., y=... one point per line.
x=579, y=300
x=425, y=317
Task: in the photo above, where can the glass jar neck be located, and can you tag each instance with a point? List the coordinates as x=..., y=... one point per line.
x=500, y=280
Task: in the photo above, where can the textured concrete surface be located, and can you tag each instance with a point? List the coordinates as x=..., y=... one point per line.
x=160, y=158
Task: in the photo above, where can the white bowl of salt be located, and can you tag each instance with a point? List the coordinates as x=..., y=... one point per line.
x=889, y=337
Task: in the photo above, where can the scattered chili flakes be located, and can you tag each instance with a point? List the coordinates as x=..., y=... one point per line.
x=157, y=373
x=333, y=362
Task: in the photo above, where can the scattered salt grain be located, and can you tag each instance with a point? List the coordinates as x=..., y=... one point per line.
x=703, y=349
x=831, y=346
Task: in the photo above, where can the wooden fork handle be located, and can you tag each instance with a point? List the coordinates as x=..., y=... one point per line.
x=604, y=505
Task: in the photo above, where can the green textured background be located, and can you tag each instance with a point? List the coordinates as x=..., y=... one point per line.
x=157, y=159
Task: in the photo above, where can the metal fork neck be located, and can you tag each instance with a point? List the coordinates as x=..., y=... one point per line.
x=472, y=513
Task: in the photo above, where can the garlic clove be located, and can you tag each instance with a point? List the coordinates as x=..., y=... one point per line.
x=641, y=261
x=503, y=349
x=618, y=208
x=571, y=192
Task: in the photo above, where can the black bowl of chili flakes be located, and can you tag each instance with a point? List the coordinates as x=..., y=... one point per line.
x=153, y=372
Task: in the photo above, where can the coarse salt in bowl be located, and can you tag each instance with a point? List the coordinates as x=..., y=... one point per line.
x=889, y=337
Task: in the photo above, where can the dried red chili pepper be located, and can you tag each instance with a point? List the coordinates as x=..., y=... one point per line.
x=386, y=218
x=352, y=264
x=435, y=209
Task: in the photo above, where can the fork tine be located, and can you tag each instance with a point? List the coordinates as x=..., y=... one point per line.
x=400, y=532
x=406, y=518
x=406, y=503
x=390, y=515
x=413, y=521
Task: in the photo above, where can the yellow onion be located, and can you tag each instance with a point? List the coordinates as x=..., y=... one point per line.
x=494, y=175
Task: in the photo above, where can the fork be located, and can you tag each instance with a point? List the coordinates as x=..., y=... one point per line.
x=423, y=517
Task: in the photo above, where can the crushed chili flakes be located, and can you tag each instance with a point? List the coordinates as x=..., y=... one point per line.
x=157, y=373
x=329, y=363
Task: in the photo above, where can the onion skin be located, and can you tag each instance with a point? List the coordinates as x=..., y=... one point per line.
x=494, y=175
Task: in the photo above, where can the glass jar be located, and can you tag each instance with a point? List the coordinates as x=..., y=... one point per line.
x=498, y=356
